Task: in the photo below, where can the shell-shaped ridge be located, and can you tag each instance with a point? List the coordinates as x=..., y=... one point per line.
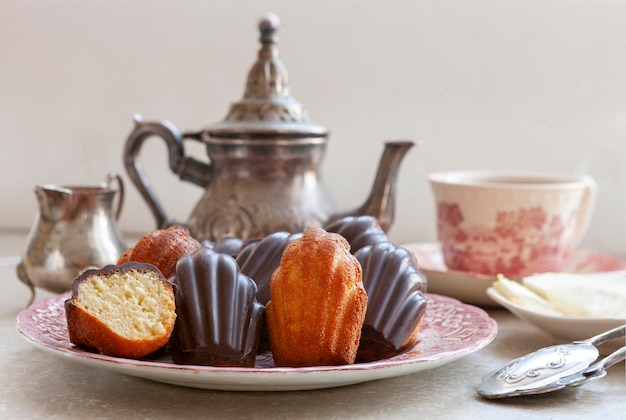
x=229, y=245
x=396, y=303
x=359, y=231
x=318, y=302
x=260, y=259
x=218, y=314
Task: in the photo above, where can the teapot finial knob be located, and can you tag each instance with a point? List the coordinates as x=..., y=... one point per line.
x=268, y=26
x=267, y=107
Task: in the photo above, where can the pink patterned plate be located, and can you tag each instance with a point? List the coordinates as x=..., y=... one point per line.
x=472, y=287
x=450, y=330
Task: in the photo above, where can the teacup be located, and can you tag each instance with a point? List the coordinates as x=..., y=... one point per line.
x=515, y=224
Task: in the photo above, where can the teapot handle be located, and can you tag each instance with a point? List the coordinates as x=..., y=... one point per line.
x=111, y=178
x=187, y=168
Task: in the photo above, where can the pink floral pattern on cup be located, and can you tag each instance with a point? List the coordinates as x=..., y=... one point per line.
x=516, y=224
x=517, y=242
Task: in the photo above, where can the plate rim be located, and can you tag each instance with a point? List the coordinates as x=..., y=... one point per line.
x=279, y=378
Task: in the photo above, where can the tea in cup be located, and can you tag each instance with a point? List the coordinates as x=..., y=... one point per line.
x=515, y=224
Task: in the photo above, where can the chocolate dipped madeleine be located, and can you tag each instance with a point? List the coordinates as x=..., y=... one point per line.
x=359, y=231
x=260, y=259
x=162, y=248
x=219, y=318
x=317, y=302
x=396, y=303
x=124, y=311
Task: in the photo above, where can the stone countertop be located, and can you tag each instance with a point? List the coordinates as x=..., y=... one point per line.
x=37, y=384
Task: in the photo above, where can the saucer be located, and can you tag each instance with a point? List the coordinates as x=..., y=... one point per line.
x=472, y=287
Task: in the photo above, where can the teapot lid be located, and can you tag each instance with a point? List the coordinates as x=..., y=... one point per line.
x=267, y=109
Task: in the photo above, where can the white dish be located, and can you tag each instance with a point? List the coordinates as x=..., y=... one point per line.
x=472, y=287
x=563, y=328
x=450, y=330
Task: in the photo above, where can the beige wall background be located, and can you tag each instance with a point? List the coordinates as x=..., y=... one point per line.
x=484, y=84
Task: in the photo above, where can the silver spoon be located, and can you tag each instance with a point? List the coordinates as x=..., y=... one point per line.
x=553, y=368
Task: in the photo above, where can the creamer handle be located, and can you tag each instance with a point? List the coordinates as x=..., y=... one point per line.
x=110, y=179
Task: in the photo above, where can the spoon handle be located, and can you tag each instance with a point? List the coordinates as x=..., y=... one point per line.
x=610, y=335
x=595, y=371
x=613, y=358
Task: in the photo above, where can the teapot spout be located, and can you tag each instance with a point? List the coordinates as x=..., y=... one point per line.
x=382, y=198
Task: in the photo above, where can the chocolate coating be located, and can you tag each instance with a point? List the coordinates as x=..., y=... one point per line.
x=396, y=303
x=112, y=269
x=360, y=231
x=218, y=317
x=230, y=245
x=259, y=260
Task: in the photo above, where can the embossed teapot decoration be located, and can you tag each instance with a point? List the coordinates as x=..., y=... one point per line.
x=262, y=175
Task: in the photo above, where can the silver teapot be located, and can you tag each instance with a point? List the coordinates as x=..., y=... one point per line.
x=262, y=174
x=74, y=229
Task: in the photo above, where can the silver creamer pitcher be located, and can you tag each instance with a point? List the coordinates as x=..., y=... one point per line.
x=74, y=229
